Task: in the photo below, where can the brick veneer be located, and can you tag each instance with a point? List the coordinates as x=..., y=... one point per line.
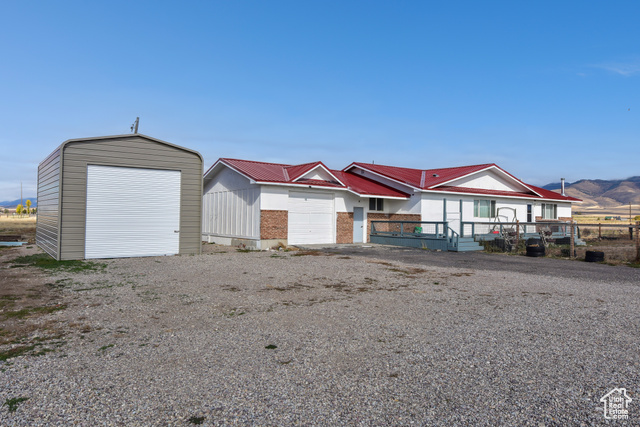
x=561, y=218
x=372, y=216
x=274, y=224
x=345, y=227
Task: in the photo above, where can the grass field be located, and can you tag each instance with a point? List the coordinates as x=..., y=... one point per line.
x=24, y=226
x=591, y=215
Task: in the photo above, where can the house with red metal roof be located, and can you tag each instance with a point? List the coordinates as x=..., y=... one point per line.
x=264, y=204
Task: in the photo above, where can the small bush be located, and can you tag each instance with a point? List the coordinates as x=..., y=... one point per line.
x=14, y=402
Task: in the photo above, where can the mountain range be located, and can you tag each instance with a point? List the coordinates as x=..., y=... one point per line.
x=11, y=204
x=600, y=193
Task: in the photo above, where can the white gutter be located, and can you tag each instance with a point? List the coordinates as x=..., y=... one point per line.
x=507, y=175
x=460, y=193
x=321, y=187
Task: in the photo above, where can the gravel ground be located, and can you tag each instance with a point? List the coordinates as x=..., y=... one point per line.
x=284, y=338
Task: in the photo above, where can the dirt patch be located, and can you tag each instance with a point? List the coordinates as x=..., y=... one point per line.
x=616, y=252
x=27, y=307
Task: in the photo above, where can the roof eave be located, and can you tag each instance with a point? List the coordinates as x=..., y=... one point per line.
x=318, y=165
x=428, y=190
x=492, y=166
x=223, y=163
x=322, y=187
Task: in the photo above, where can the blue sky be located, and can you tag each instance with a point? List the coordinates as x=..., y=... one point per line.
x=543, y=89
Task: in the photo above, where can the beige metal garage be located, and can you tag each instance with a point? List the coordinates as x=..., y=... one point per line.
x=119, y=196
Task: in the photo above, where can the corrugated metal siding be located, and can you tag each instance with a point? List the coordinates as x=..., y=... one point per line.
x=132, y=212
x=47, y=232
x=129, y=151
x=232, y=213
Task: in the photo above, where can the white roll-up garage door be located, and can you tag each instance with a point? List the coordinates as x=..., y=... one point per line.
x=310, y=218
x=132, y=212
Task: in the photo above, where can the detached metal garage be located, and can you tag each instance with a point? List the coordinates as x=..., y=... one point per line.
x=119, y=196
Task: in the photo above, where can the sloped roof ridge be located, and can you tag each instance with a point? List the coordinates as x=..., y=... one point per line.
x=304, y=164
x=381, y=184
x=427, y=170
x=255, y=161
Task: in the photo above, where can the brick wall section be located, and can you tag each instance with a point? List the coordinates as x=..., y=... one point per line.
x=345, y=227
x=274, y=224
x=374, y=216
x=562, y=218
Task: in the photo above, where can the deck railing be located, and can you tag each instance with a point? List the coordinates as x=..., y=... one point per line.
x=431, y=229
x=555, y=229
x=421, y=230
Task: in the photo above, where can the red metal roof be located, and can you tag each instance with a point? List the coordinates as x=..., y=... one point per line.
x=287, y=174
x=548, y=194
x=427, y=179
x=258, y=171
x=432, y=179
x=365, y=186
x=414, y=177
x=298, y=170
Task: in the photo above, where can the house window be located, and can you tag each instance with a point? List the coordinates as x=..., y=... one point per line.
x=376, y=204
x=484, y=208
x=529, y=213
x=549, y=211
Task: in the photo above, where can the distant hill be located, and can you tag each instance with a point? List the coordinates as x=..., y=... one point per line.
x=602, y=193
x=11, y=204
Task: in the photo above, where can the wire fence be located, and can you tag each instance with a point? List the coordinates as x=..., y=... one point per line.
x=619, y=243
x=599, y=231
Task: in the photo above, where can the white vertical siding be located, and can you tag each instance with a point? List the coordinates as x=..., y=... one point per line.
x=233, y=213
x=231, y=206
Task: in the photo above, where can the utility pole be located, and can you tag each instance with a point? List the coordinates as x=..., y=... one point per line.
x=21, y=202
x=134, y=126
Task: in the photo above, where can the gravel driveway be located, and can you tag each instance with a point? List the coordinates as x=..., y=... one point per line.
x=354, y=336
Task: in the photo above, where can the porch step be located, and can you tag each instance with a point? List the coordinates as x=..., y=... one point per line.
x=466, y=244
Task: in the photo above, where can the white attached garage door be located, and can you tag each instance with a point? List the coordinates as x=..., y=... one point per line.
x=132, y=212
x=311, y=218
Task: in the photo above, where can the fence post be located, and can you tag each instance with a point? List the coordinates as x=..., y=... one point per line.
x=402, y=229
x=572, y=247
x=599, y=231
x=517, y=234
x=638, y=241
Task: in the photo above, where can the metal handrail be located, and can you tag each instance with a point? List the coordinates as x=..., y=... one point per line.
x=454, y=234
x=520, y=227
x=440, y=228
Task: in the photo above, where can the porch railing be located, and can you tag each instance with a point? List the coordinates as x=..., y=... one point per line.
x=430, y=229
x=420, y=230
x=555, y=229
